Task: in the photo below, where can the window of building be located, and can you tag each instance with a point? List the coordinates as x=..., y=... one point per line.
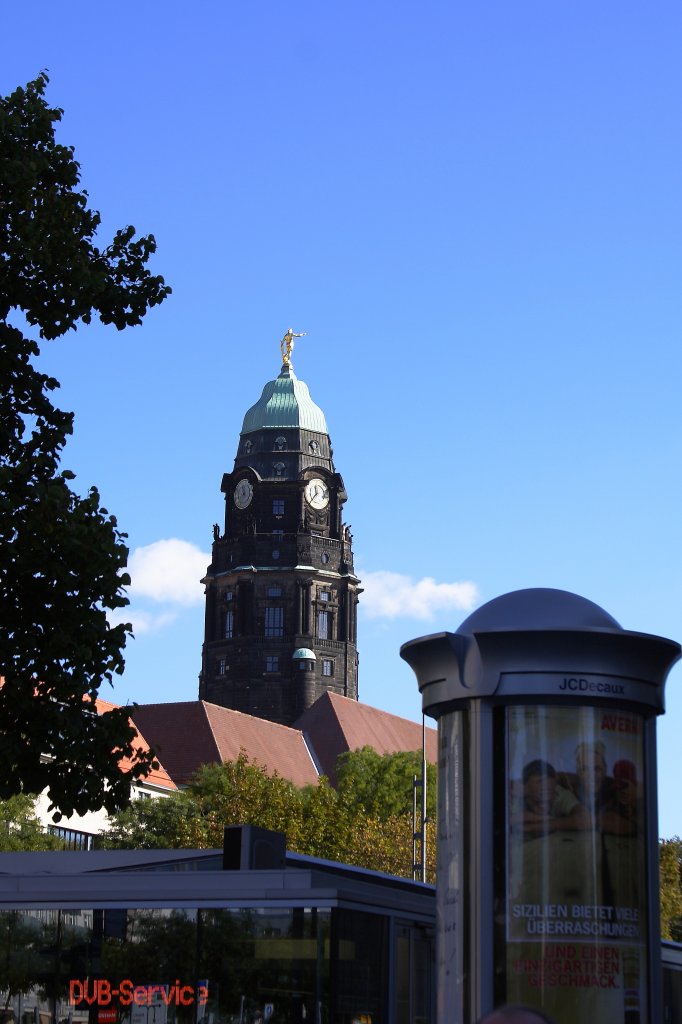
x=327, y=667
x=323, y=625
x=221, y=666
x=274, y=591
x=228, y=625
x=324, y=595
x=72, y=838
x=272, y=663
x=278, y=506
x=274, y=621
x=278, y=533
x=229, y=595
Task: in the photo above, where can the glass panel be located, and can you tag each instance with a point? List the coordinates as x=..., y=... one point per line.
x=165, y=966
x=413, y=974
x=454, y=972
x=360, y=960
x=402, y=976
x=576, y=921
x=422, y=976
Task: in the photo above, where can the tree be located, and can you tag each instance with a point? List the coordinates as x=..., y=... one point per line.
x=670, y=863
x=383, y=783
x=163, y=824
x=318, y=821
x=20, y=828
x=237, y=792
x=62, y=556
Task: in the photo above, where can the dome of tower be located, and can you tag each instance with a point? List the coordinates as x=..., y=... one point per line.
x=285, y=402
x=303, y=654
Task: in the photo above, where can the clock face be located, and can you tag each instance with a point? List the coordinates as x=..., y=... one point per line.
x=317, y=493
x=243, y=493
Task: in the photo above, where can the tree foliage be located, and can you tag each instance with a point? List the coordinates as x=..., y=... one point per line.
x=20, y=828
x=319, y=821
x=670, y=866
x=62, y=556
x=383, y=783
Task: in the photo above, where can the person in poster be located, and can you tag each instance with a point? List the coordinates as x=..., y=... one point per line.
x=576, y=862
x=543, y=802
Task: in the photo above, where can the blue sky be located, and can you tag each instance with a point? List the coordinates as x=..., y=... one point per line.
x=474, y=210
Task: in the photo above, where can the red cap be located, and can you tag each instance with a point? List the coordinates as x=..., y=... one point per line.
x=625, y=771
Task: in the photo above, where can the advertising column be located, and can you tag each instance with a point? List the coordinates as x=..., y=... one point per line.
x=547, y=870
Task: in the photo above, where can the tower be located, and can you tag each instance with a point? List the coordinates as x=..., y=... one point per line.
x=281, y=594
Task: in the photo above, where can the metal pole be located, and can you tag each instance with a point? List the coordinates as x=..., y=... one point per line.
x=423, y=807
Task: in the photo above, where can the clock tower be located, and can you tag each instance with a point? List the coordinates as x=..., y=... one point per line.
x=281, y=593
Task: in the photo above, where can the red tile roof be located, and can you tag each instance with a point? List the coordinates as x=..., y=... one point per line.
x=190, y=734
x=335, y=724
x=157, y=777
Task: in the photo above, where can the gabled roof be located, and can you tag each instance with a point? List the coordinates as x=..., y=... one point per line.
x=336, y=724
x=189, y=734
x=158, y=777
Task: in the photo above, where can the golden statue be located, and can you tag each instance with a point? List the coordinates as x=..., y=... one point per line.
x=287, y=345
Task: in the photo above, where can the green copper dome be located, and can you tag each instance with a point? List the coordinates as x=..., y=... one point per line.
x=303, y=654
x=285, y=402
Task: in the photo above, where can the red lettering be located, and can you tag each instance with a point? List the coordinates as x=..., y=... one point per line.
x=141, y=995
x=125, y=992
x=620, y=723
x=186, y=995
x=75, y=991
x=167, y=995
x=90, y=997
x=104, y=992
x=203, y=995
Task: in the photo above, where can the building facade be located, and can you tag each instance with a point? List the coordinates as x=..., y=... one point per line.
x=281, y=592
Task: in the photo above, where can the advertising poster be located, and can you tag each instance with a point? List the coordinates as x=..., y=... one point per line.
x=575, y=922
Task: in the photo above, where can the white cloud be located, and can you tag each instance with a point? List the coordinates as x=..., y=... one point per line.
x=168, y=571
x=389, y=595
x=142, y=621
